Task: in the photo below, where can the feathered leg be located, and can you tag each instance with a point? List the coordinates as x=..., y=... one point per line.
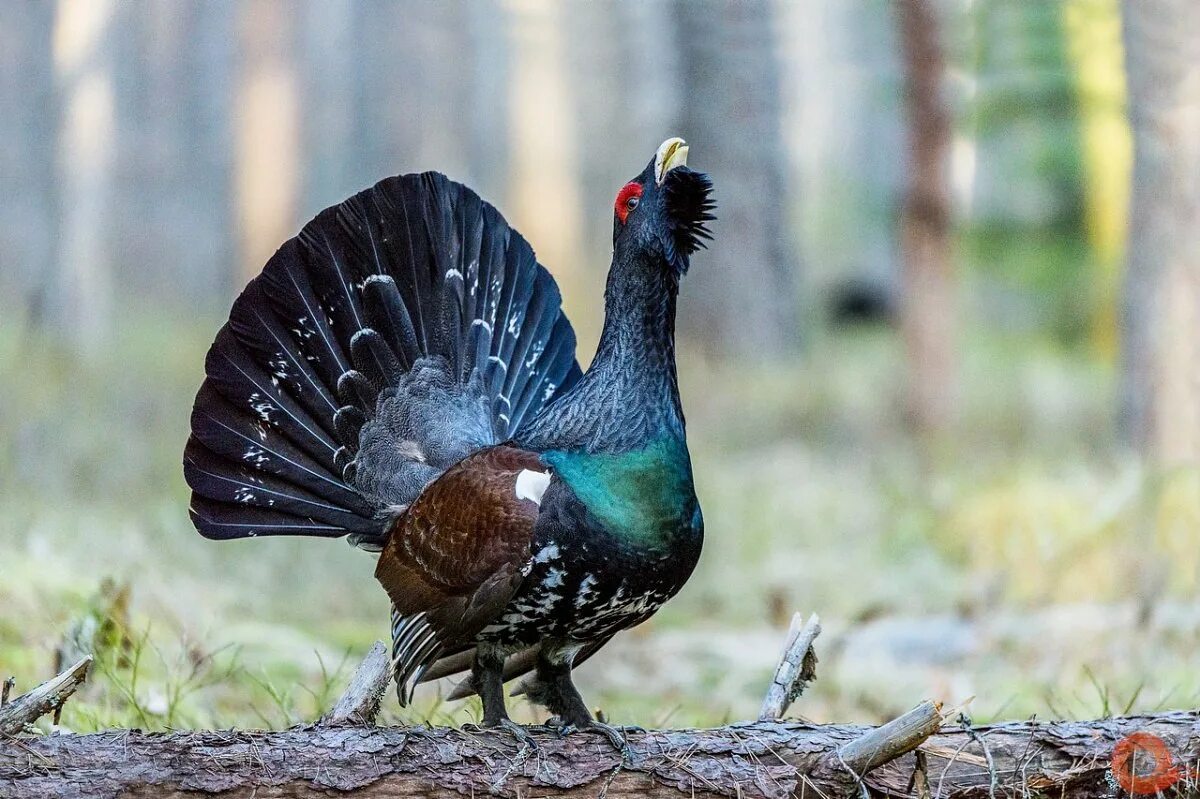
x=553, y=688
x=487, y=674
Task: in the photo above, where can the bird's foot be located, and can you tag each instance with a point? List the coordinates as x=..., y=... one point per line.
x=517, y=731
x=615, y=735
x=528, y=746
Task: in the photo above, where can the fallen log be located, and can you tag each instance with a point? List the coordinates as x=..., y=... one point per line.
x=761, y=759
x=345, y=755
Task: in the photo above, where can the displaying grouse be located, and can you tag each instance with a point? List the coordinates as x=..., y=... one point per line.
x=401, y=373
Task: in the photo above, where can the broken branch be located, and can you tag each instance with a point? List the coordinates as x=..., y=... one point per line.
x=16, y=715
x=359, y=705
x=797, y=668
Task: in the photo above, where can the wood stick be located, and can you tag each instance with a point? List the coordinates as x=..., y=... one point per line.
x=28, y=708
x=359, y=705
x=762, y=760
x=886, y=743
x=797, y=668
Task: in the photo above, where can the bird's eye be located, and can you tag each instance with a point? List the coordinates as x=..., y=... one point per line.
x=628, y=199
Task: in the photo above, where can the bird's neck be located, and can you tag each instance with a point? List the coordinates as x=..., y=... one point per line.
x=636, y=353
x=629, y=396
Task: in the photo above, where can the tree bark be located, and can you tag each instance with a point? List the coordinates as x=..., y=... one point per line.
x=765, y=759
x=927, y=318
x=1160, y=376
x=741, y=299
x=267, y=132
x=543, y=183
x=84, y=70
x=28, y=126
x=46, y=698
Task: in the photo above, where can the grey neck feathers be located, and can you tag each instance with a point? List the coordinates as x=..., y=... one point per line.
x=630, y=393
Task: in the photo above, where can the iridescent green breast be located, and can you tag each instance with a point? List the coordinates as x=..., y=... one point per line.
x=646, y=495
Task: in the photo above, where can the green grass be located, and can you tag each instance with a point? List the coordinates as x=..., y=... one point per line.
x=815, y=498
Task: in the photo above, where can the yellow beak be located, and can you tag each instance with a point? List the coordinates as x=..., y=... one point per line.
x=671, y=153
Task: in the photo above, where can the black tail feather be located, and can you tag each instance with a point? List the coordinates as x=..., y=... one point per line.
x=302, y=416
x=240, y=440
x=229, y=488
x=320, y=354
x=387, y=314
x=354, y=389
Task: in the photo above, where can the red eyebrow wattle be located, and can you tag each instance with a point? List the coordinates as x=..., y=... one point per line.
x=633, y=189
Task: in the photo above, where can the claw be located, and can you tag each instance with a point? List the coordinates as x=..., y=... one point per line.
x=614, y=735
x=519, y=732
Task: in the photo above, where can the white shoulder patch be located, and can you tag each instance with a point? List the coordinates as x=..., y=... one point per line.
x=531, y=485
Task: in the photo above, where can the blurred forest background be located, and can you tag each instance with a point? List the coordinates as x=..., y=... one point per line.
x=942, y=363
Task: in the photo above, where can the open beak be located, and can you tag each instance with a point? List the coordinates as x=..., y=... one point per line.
x=671, y=153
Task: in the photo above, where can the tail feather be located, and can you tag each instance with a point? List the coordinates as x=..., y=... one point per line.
x=398, y=332
x=286, y=292
x=248, y=442
x=556, y=357
x=373, y=358
x=353, y=388
x=283, y=352
x=233, y=484
x=237, y=376
x=387, y=314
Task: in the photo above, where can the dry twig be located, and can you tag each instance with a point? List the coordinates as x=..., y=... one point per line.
x=16, y=715
x=797, y=668
x=359, y=705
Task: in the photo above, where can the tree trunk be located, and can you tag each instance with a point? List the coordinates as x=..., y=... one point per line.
x=83, y=54
x=28, y=206
x=927, y=316
x=1160, y=377
x=543, y=185
x=267, y=131
x=172, y=198
x=1070, y=760
x=741, y=298
x=485, y=80
x=331, y=56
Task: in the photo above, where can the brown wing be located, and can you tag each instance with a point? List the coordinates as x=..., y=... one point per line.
x=454, y=558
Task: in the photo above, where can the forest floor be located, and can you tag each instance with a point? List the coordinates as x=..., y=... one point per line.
x=1020, y=560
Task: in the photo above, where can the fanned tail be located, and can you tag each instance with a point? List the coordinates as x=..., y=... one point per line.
x=397, y=333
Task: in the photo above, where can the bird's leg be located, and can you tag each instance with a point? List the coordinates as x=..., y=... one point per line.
x=487, y=675
x=554, y=689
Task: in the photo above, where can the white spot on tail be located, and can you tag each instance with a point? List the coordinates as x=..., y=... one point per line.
x=532, y=485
